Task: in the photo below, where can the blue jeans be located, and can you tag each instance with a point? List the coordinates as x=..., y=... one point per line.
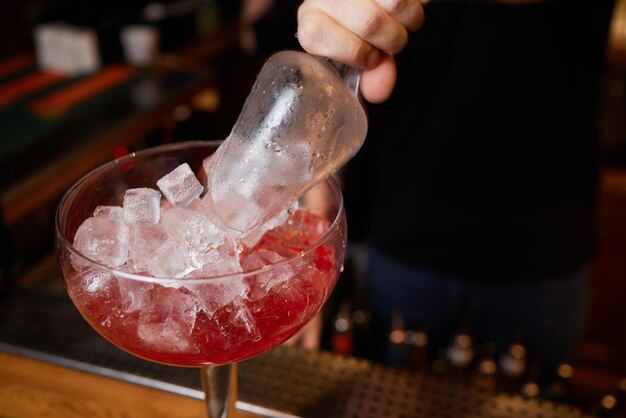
x=548, y=316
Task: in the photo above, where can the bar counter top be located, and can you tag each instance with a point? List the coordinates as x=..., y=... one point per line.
x=52, y=364
x=34, y=388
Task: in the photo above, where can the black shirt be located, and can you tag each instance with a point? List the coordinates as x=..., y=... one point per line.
x=485, y=156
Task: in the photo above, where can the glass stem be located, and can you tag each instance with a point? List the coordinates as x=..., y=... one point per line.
x=220, y=390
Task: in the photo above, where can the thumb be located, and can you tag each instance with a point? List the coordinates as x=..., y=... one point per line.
x=377, y=83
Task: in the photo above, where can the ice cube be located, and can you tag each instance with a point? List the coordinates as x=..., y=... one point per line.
x=112, y=212
x=142, y=206
x=94, y=291
x=202, y=206
x=238, y=211
x=133, y=293
x=251, y=238
x=180, y=186
x=103, y=240
x=212, y=295
x=166, y=320
x=259, y=284
x=218, y=261
x=144, y=241
x=259, y=259
x=192, y=229
x=206, y=207
x=165, y=206
x=293, y=301
x=237, y=323
x=97, y=281
x=169, y=260
x=208, y=164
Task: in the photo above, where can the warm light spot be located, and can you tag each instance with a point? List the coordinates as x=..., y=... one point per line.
x=565, y=371
x=518, y=351
x=530, y=390
x=488, y=367
x=608, y=402
x=396, y=336
x=464, y=341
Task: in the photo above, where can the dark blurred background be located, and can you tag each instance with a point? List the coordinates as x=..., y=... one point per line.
x=51, y=134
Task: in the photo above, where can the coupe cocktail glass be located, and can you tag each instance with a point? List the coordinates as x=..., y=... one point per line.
x=205, y=322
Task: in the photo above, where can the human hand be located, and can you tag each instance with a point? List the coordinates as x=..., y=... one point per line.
x=361, y=33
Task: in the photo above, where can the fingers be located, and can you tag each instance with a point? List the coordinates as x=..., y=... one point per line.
x=355, y=32
x=361, y=33
x=369, y=21
x=408, y=12
x=377, y=83
x=321, y=35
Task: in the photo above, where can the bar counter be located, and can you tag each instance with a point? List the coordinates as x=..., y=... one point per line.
x=52, y=364
x=35, y=388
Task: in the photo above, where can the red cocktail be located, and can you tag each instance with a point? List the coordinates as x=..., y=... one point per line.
x=203, y=317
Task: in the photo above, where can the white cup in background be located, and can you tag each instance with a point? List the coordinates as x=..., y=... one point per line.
x=140, y=44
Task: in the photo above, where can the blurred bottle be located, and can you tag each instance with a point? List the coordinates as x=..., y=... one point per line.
x=513, y=363
x=361, y=320
x=485, y=373
x=460, y=354
x=396, y=353
x=342, y=337
x=531, y=388
x=558, y=389
x=417, y=349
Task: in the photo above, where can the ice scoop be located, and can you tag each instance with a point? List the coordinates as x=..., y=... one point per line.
x=300, y=123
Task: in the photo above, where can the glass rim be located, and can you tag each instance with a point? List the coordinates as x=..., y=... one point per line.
x=176, y=282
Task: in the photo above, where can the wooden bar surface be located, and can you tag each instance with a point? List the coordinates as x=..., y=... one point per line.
x=36, y=389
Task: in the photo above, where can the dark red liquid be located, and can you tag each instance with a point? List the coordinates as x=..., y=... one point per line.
x=182, y=326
